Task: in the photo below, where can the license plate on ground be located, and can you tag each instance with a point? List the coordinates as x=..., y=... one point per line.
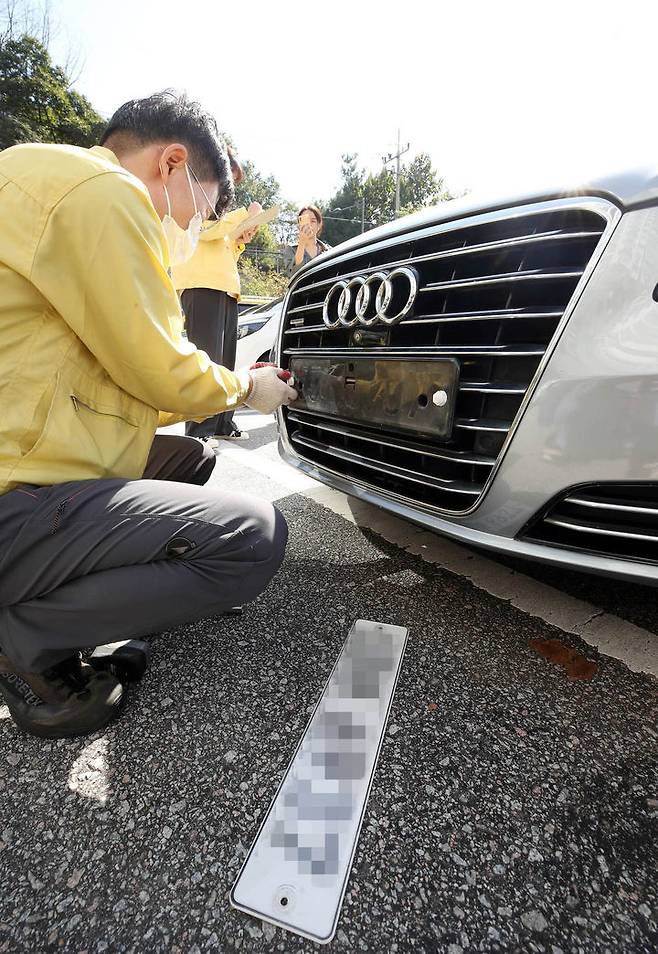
x=409, y=395
x=296, y=872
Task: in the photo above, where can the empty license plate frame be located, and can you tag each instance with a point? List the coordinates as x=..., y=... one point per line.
x=408, y=395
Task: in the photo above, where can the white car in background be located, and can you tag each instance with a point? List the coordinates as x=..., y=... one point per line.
x=257, y=332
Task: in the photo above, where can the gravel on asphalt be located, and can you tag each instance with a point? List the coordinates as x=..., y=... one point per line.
x=513, y=810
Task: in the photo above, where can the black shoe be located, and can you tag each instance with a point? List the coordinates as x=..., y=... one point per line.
x=235, y=435
x=67, y=700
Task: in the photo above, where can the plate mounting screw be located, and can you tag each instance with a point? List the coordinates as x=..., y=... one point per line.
x=440, y=398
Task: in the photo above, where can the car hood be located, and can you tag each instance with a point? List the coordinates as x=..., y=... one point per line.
x=625, y=189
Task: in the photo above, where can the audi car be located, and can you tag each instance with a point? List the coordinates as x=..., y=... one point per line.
x=489, y=370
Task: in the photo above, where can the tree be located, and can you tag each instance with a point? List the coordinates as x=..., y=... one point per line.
x=419, y=186
x=255, y=187
x=342, y=212
x=36, y=101
x=21, y=17
x=256, y=281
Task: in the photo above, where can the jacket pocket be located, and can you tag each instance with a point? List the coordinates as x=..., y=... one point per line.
x=87, y=435
x=110, y=436
x=96, y=407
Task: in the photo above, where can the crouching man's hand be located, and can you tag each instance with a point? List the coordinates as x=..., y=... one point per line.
x=268, y=390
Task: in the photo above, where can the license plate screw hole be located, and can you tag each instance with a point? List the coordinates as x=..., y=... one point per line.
x=423, y=400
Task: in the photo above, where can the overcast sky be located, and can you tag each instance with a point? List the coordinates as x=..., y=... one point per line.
x=499, y=94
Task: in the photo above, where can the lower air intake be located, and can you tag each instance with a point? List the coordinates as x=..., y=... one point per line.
x=615, y=520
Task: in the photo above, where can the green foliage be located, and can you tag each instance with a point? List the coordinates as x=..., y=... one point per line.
x=264, y=240
x=256, y=187
x=255, y=281
x=285, y=227
x=419, y=186
x=264, y=250
x=36, y=101
x=346, y=202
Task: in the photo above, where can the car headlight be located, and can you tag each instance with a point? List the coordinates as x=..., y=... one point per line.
x=249, y=326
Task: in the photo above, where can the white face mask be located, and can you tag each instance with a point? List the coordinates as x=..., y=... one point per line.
x=182, y=242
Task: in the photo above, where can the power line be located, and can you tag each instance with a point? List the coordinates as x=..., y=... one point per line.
x=359, y=204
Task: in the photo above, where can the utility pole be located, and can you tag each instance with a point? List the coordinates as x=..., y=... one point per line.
x=362, y=203
x=386, y=159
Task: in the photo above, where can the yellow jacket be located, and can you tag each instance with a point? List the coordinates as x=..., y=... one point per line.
x=91, y=344
x=215, y=261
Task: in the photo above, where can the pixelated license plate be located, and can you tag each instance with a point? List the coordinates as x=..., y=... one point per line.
x=296, y=872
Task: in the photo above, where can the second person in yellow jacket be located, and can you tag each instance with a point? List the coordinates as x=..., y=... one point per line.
x=209, y=285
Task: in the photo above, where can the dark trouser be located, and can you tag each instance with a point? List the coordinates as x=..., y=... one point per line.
x=92, y=561
x=211, y=323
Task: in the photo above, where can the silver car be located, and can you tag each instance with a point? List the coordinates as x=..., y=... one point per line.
x=490, y=371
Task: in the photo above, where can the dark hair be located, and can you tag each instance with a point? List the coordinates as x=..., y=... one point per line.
x=316, y=212
x=172, y=116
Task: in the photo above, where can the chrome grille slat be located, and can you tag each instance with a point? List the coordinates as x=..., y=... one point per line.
x=488, y=316
x=496, y=351
x=504, y=279
x=457, y=457
x=401, y=472
x=489, y=388
x=475, y=424
x=304, y=329
x=494, y=292
x=614, y=520
x=301, y=308
x=444, y=319
x=584, y=528
x=450, y=253
x=612, y=507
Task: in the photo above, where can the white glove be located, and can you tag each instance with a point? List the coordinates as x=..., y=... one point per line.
x=268, y=391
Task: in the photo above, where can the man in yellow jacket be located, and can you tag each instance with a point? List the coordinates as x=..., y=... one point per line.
x=105, y=533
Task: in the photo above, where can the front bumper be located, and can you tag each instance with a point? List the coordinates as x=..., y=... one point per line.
x=592, y=417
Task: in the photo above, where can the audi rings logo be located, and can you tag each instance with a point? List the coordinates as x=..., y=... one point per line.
x=365, y=301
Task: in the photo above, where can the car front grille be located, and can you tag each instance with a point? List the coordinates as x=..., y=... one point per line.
x=492, y=292
x=615, y=520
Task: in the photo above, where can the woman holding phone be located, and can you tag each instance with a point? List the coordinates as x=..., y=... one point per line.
x=309, y=245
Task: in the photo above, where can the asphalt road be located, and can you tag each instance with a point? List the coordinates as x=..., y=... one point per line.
x=513, y=810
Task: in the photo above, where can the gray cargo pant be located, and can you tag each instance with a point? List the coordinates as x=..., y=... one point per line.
x=89, y=562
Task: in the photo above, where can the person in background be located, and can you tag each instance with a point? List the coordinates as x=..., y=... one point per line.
x=106, y=531
x=209, y=286
x=309, y=245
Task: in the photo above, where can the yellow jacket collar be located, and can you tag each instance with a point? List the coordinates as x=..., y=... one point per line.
x=105, y=153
